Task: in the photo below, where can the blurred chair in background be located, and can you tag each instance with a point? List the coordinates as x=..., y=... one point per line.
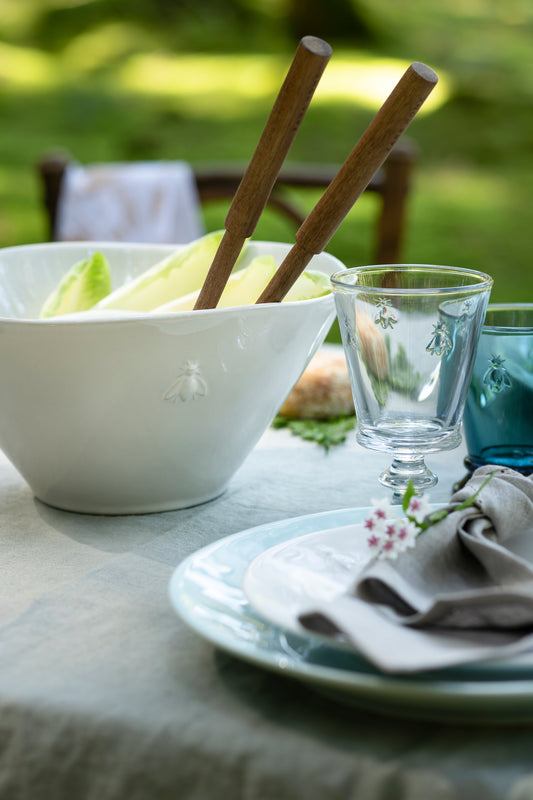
x=161, y=201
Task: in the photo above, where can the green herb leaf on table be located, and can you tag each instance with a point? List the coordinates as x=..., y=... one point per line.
x=327, y=433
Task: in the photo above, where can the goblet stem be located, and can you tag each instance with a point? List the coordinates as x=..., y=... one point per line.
x=404, y=469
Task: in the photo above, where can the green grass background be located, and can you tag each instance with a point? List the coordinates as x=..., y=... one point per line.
x=110, y=84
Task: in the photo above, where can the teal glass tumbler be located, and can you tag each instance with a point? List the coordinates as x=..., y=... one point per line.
x=498, y=417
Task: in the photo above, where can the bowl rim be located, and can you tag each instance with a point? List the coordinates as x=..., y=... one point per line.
x=117, y=316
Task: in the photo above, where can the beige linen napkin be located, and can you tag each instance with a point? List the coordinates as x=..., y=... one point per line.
x=144, y=201
x=463, y=593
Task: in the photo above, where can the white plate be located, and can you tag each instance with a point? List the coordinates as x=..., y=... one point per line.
x=314, y=568
x=206, y=591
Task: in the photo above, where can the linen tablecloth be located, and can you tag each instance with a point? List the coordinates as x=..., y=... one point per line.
x=105, y=693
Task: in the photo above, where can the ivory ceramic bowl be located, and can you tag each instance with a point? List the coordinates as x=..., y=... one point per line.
x=141, y=413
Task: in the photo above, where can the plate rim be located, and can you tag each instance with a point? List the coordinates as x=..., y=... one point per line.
x=379, y=687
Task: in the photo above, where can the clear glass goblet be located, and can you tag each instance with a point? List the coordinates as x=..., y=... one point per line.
x=410, y=334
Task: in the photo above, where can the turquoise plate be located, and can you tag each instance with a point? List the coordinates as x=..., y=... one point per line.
x=206, y=592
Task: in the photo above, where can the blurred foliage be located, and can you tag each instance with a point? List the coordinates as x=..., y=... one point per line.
x=220, y=25
x=195, y=79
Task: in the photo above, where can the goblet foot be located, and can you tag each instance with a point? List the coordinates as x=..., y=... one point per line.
x=403, y=470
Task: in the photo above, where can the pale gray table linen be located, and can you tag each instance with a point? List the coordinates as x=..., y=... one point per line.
x=106, y=694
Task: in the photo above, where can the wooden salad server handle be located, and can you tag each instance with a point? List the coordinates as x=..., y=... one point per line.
x=353, y=177
x=253, y=192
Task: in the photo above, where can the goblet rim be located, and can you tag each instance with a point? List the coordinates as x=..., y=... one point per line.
x=502, y=328
x=481, y=281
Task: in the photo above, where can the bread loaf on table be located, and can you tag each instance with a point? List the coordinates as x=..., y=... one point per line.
x=323, y=390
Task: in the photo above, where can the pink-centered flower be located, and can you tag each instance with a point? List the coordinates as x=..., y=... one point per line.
x=392, y=534
x=389, y=549
x=382, y=507
x=397, y=534
x=406, y=536
x=418, y=508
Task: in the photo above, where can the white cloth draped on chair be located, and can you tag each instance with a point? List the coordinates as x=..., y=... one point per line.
x=154, y=201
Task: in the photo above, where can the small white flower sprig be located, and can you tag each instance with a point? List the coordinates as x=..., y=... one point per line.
x=391, y=534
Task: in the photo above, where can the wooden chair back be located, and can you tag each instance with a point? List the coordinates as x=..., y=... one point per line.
x=219, y=182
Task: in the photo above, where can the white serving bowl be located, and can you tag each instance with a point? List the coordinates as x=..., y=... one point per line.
x=140, y=413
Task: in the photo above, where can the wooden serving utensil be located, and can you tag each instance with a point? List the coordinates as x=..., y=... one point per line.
x=353, y=177
x=292, y=102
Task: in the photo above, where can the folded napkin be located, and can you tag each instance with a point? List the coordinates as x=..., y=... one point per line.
x=145, y=201
x=464, y=593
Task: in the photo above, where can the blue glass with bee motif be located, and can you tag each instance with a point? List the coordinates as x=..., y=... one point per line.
x=498, y=418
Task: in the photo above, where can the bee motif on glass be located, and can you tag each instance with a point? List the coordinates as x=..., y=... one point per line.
x=440, y=343
x=496, y=377
x=467, y=309
x=385, y=316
